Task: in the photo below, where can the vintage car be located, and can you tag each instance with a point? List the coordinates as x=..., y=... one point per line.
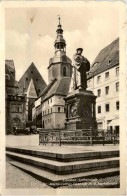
x=21, y=130
x=33, y=129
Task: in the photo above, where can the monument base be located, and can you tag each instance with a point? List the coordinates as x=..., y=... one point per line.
x=74, y=125
x=80, y=110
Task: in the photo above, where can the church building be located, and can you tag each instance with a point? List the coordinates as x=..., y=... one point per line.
x=31, y=84
x=50, y=105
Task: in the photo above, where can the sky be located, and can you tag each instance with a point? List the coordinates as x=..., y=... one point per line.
x=30, y=33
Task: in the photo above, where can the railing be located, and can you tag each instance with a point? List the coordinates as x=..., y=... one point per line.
x=77, y=137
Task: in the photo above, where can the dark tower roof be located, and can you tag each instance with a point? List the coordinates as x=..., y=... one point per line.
x=60, y=43
x=32, y=73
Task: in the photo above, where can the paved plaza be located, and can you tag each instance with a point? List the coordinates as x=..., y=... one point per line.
x=30, y=144
x=22, y=140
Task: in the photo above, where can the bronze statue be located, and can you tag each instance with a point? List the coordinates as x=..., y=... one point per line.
x=80, y=67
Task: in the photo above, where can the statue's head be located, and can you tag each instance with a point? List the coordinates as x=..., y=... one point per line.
x=78, y=58
x=79, y=51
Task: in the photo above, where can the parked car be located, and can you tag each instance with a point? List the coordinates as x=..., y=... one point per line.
x=20, y=130
x=33, y=129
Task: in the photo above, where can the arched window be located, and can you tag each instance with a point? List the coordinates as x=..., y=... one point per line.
x=64, y=71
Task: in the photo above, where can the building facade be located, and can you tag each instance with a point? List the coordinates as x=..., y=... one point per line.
x=15, y=100
x=103, y=80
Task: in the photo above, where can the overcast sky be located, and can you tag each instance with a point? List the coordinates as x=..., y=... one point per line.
x=31, y=32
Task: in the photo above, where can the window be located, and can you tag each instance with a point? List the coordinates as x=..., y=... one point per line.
x=107, y=90
x=99, y=109
x=19, y=108
x=98, y=79
x=107, y=107
x=51, y=100
x=100, y=125
x=117, y=105
x=117, y=86
x=16, y=108
x=117, y=71
x=51, y=110
x=43, y=113
x=64, y=71
x=117, y=129
x=99, y=92
x=109, y=61
x=106, y=75
x=36, y=79
x=32, y=72
x=26, y=79
x=48, y=111
x=58, y=109
x=13, y=108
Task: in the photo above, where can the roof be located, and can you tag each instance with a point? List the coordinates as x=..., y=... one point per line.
x=59, y=57
x=10, y=73
x=106, y=59
x=10, y=80
x=10, y=64
x=57, y=87
x=32, y=73
x=46, y=89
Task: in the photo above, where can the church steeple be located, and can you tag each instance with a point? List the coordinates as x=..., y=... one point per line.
x=60, y=44
x=60, y=65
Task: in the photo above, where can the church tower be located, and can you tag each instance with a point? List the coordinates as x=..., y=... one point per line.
x=60, y=65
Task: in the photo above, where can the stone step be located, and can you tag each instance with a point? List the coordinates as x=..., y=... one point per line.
x=55, y=180
x=65, y=157
x=66, y=167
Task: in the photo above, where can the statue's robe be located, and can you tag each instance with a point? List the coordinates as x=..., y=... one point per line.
x=79, y=78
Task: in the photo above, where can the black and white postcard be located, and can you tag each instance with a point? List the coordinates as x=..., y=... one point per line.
x=63, y=98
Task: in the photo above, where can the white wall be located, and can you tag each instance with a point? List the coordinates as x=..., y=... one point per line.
x=55, y=117
x=111, y=98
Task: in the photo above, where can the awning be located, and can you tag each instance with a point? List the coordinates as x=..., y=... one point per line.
x=114, y=122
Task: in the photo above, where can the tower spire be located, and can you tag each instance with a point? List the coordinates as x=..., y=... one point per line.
x=59, y=19
x=60, y=44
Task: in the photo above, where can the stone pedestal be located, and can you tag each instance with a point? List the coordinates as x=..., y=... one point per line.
x=80, y=110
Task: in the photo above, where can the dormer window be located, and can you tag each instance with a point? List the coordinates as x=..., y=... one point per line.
x=96, y=63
